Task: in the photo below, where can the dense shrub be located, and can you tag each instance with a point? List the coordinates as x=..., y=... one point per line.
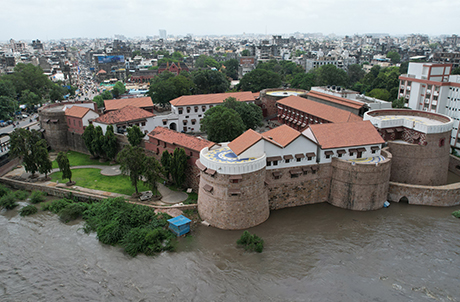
x=8, y=201
x=37, y=197
x=56, y=206
x=72, y=211
x=4, y=190
x=28, y=210
x=137, y=228
x=21, y=195
x=456, y=214
x=251, y=242
x=191, y=199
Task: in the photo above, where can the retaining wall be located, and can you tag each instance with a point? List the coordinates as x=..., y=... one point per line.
x=440, y=196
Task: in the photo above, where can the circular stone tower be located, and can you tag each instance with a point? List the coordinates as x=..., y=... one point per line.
x=269, y=97
x=418, y=142
x=54, y=124
x=232, y=193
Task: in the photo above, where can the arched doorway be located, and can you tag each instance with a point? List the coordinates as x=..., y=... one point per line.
x=173, y=126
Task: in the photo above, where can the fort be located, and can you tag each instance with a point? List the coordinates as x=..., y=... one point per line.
x=342, y=163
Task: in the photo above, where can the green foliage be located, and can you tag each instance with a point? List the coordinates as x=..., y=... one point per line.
x=303, y=81
x=72, y=211
x=135, y=135
x=118, y=89
x=57, y=205
x=7, y=107
x=80, y=159
x=88, y=137
x=137, y=228
x=209, y=81
x=456, y=70
x=251, y=114
x=42, y=158
x=166, y=163
x=3, y=190
x=21, y=195
x=107, y=95
x=152, y=170
x=191, y=199
x=178, y=166
x=355, y=74
x=32, y=148
x=97, y=145
x=394, y=57
x=204, y=61
x=99, y=101
x=31, y=78
x=246, y=53
x=456, y=214
x=330, y=75
x=8, y=201
x=131, y=161
x=251, y=242
x=110, y=143
x=28, y=210
x=286, y=69
x=37, y=196
x=259, y=79
x=231, y=68
x=381, y=94
x=64, y=165
x=166, y=87
x=398, y=103
x=222, y=124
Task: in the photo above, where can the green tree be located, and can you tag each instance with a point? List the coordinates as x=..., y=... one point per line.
x=64, y=166
x=303, y=81
x=394, y=57
x=7, y=107
x=42, y=158
x=209, y=81
x=204, y=61
x=398, y=103
x=330, y=75
x=251, y=114
x=456, y=70
x=259, y=79
x=166, y=163
x=222, y=124
x=29, y=99
x=355, y=74
x=177, y=55
x=379, y=93
x=135, y=135
x=178, y=166
x=27, y=145
x=167, y=87
x=107, y=95
x=30, y=77
x=136, y=53
x=98, y=142
x=88, y=137
x=7, y=89
x=132, y=161
x=152, y=170
x=231, y=68
x=245, y=53
x=99, y=101
x=118, y=89
x=110, y=143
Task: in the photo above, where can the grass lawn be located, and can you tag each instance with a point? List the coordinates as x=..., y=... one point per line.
x=80, y=159
x=93, y=179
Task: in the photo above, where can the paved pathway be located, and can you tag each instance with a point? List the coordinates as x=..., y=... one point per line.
x=169, y=196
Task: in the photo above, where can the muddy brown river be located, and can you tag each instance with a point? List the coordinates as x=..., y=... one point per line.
x=312, y=253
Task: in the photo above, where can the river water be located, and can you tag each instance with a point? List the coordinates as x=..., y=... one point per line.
x=312, y=253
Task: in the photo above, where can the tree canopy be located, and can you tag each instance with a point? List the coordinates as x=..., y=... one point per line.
x=64, y=166
x=166, y=87
x=135, y=135
x=209, y=81
x=222, y=124
x=330, y=75
x=259, y=79
x=251, y=114
x=132, y=163
x=394, y=57
x=118, y=89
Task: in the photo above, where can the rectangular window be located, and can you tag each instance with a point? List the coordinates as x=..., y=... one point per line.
x=269, y=163
x=143, y=124
x=180, y=111
x=275, y=163
x=299, y=159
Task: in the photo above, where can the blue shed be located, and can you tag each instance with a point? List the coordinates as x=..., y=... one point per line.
x=180, y=225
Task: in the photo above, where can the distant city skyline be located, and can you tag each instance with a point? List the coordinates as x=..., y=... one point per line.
x=53, y=20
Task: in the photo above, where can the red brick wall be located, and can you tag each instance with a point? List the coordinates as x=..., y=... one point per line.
x=75, y=124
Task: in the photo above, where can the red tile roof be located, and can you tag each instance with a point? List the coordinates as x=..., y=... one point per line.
x=244, y=141
x=283, y=135
x=346, y=134
x=215, y=98
x=125, y=114
x=77, y=111
x=179, y=139
x=120, y=103
x=335, y=99
x=326, y=112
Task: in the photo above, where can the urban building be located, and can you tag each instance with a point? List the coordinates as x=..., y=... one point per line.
x=78, y=118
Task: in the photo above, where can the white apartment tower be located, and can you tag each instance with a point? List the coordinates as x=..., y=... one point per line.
x=430, y=87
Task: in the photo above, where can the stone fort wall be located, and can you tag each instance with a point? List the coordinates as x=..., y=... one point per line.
x=223, y=210
x=421, y=165
x=360, y=186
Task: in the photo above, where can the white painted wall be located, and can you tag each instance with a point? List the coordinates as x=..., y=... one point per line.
x=257, y=150
x=89, y=115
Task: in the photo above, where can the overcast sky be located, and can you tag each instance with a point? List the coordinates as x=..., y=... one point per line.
x=56, y=19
